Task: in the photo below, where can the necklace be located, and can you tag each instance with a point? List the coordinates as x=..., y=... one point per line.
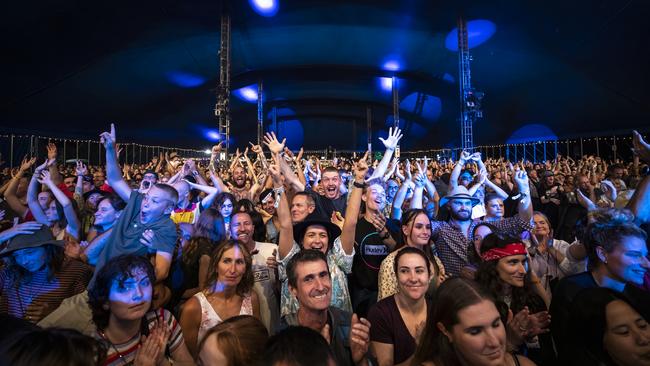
x=119, y=354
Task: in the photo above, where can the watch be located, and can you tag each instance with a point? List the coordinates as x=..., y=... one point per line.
x=386, y=236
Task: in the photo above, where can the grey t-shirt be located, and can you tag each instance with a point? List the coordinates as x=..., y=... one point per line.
x=127, y=232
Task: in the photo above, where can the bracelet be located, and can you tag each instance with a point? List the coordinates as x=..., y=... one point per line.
x=278, y=192
x=359, y=185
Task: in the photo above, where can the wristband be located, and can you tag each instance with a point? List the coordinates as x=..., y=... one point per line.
x=359, y=185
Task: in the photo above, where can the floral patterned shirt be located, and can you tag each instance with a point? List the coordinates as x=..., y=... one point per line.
x=340, y=265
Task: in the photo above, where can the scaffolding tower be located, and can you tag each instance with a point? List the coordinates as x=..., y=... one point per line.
x=222, y=109
x=470, y=99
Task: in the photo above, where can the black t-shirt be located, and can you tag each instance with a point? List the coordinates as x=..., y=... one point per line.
x=370, y=251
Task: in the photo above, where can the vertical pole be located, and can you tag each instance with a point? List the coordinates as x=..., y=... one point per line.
x=11, y=151
x=597, y=147
x=534, y=153
x=395, y=90
x=31, y=146
x=88, y=153
x=260, y=113
x=369, y=128
x=523, y=154
x=614, y=148
x=582, y=152
x=77, y=152
x=64, y=149
x=544, y=150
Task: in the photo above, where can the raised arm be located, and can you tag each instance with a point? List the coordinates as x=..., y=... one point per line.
x=525, y=207
x=639, y=204
x=400, y=196
x=10, y=194
x=455, y=173
x=354, y=205
x=284, y=214
x=113, y=173
x=420, y=180
x=391, y=144
x=32, y=195
x=54, y=171
x=68, y=208
x=212, y=192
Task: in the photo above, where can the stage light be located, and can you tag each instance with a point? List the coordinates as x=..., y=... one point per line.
x=386, y=83
x=392, y=65
x=212, y=135
x=478, y=32
x=267, y=8
x=247, y=93
x=207, y=152
x=185, y=79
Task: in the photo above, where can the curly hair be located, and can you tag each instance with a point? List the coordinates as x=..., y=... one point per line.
x=246, y=284
x=488, y=276
x=118, y=269
x=473, y=257
x=607, y=228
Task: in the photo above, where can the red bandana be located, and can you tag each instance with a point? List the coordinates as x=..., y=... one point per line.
x=508, y=250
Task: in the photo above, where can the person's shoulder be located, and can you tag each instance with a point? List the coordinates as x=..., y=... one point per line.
x=523, y=360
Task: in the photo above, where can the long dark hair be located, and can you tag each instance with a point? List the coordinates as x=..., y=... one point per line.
x=117, y=269
x=588, y=323
x=473, y=257
x=488, y=276
x=54, y=258
x=55, y=347
x=209, y=228
x=452, y=296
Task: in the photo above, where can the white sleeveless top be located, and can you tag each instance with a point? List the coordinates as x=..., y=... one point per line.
x=210, y=318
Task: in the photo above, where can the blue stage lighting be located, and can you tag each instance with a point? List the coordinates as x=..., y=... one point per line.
x=247, y=93
x=185, y=79
x=212, y=135
x=532, y=132
x=392, y=65
x=266, y=8
x=478, y=32
x=386, y=83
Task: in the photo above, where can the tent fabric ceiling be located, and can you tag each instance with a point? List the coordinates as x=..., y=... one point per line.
x=152, y=67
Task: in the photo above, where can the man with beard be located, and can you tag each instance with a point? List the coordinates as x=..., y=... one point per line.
x=452, y=238
x=374, y=239
x=265, y=268
x=267, y=200
x=332, y=199
x=238, y=185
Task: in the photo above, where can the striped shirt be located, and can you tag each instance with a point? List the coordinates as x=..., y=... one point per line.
x=119, y=354
x=69, y=281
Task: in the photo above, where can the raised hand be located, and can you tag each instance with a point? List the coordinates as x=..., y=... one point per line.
x=51, y=151
x=464, y=157
x=255, y=148
x=272, y=261
x=271, y=141
x=407, y=170
x=359, y=338
x=147, y=238
x=26, y=164
x=360, y=168
x=521, y=178
x=641, y=148
x=476, y=156
x=45, y=178
x=216, y=149
x=299, y=157
x=393, y=138
x=80, y=169
x=108, y=139
x=274, y=170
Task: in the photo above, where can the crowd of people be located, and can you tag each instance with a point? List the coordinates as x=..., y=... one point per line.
x=272, y=257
